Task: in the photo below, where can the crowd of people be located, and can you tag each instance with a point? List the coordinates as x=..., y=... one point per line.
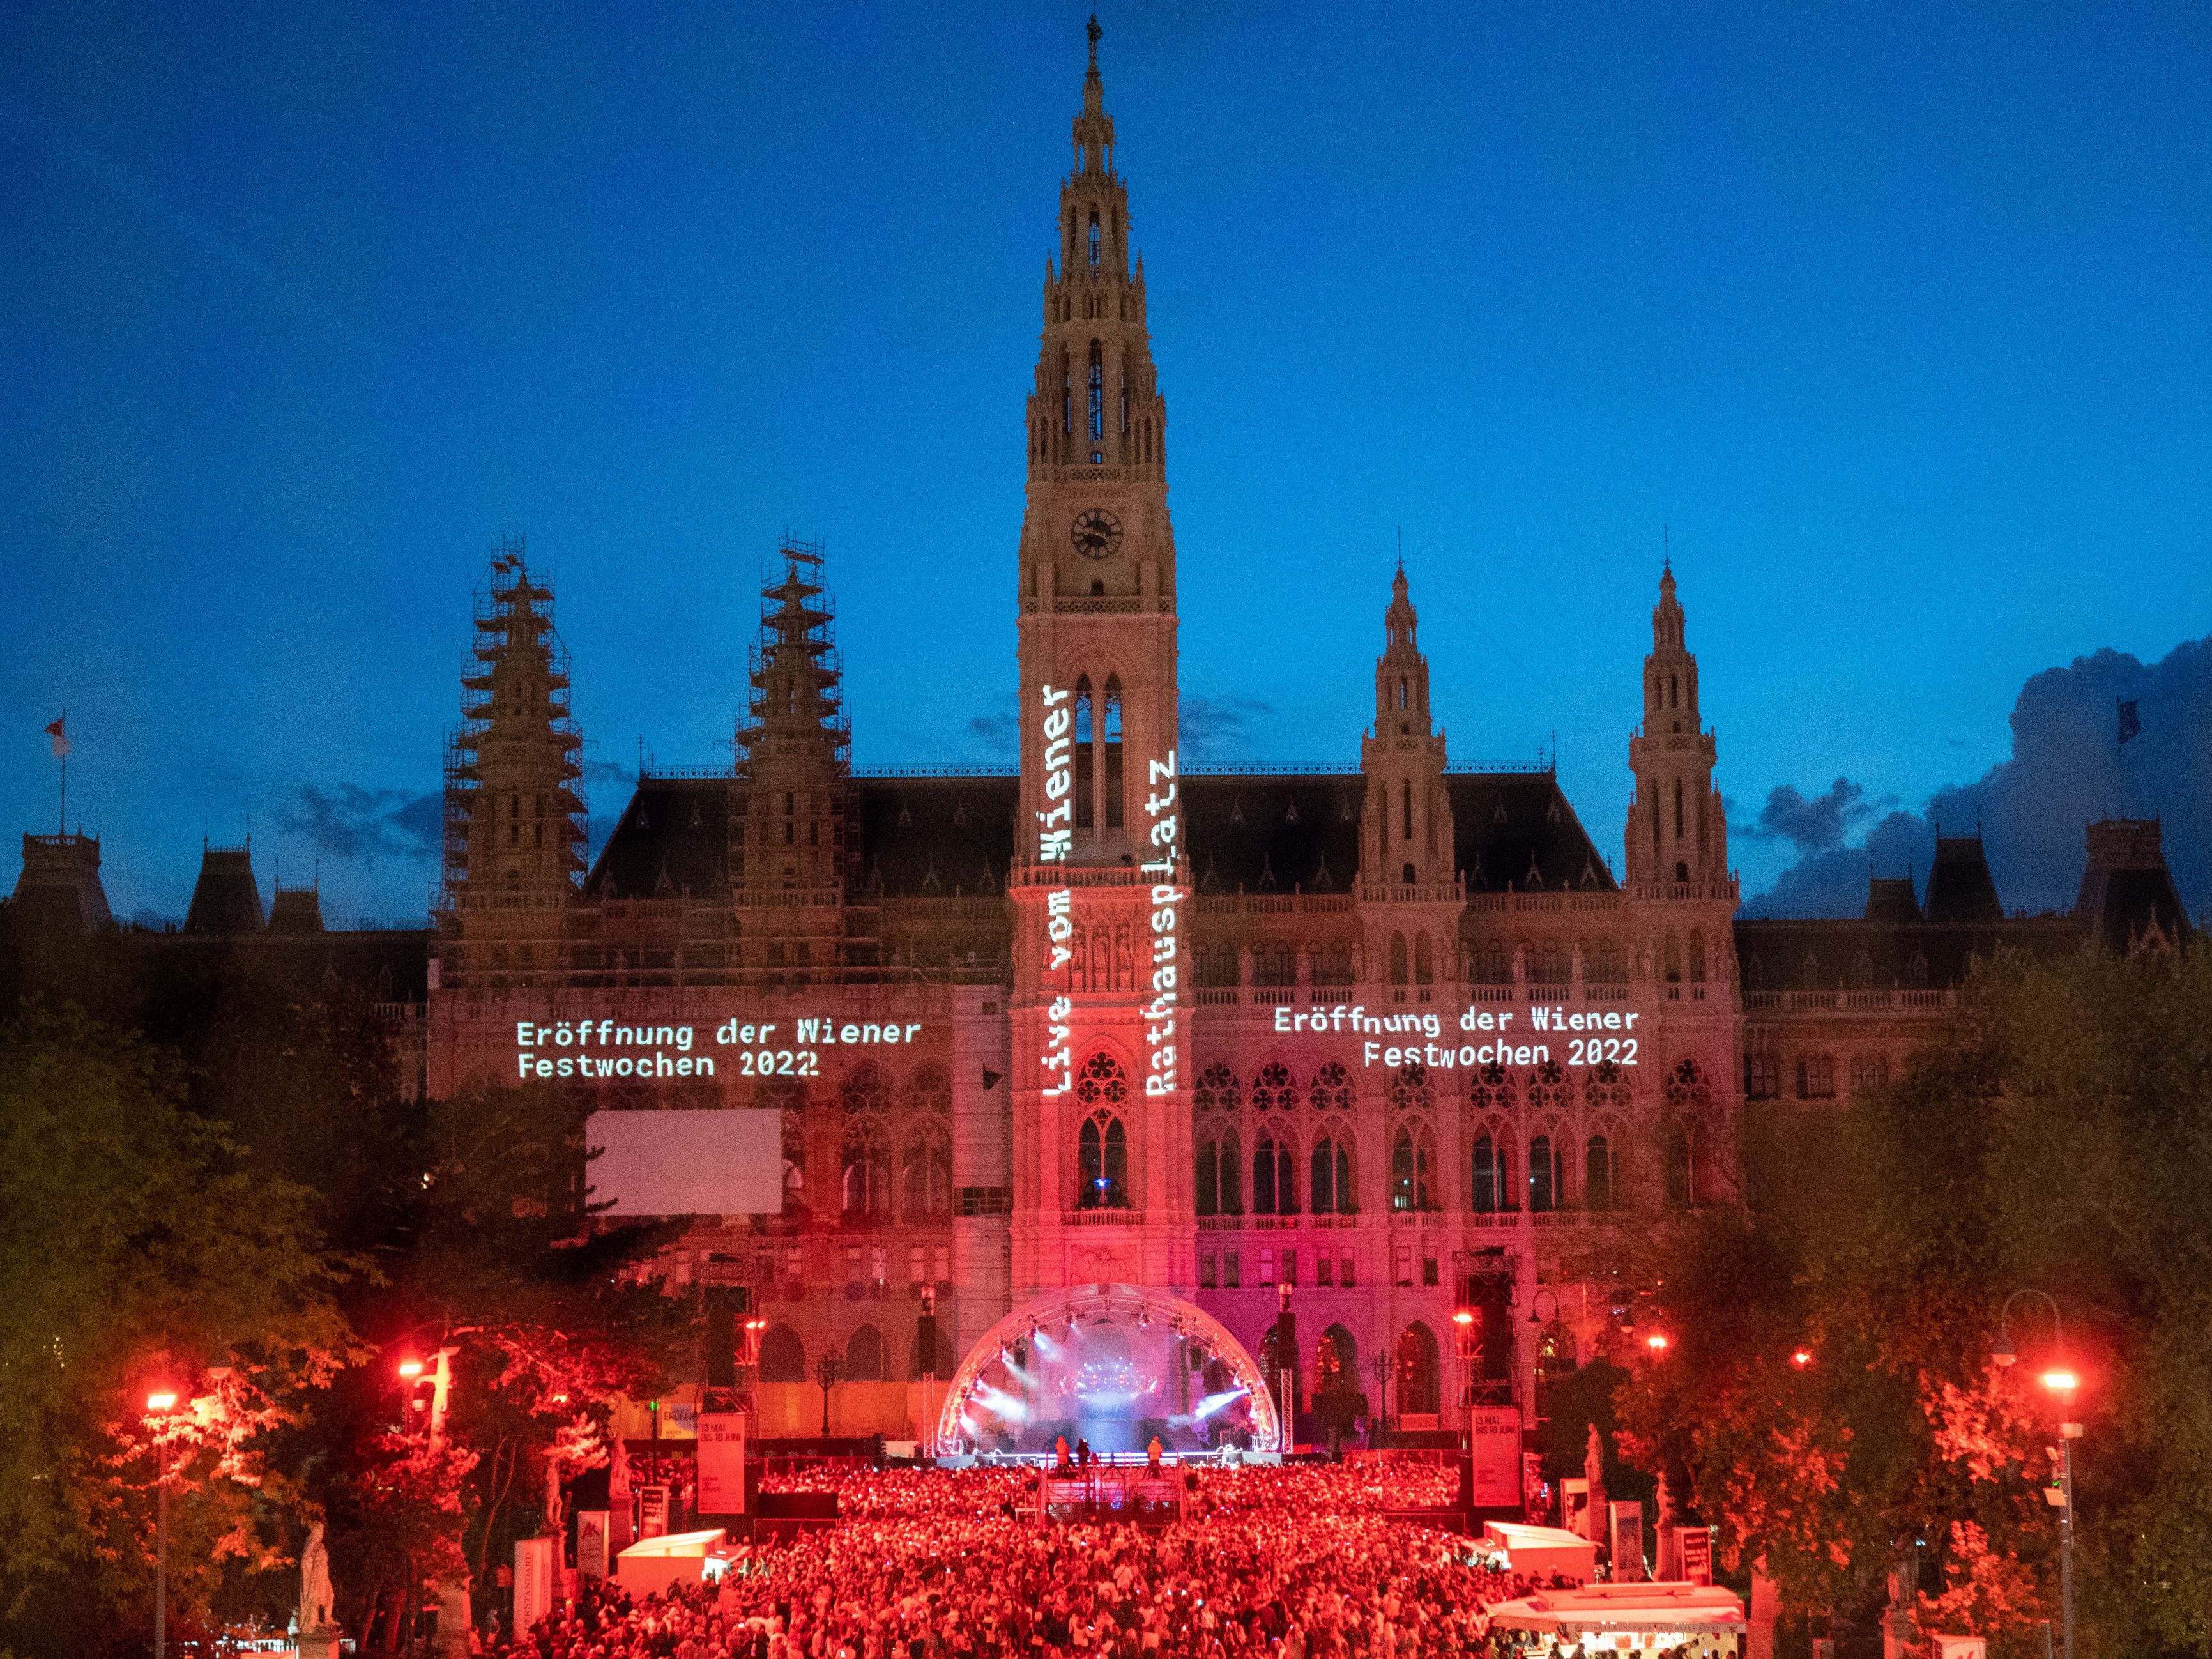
x=1298, y=1563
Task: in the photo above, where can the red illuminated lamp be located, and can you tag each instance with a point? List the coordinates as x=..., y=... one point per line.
x=411, y=1368
x=1802, y=1358
x=1462, y=1317
x=1656, y=1342
x=2059, y=1382
x=163, y=1401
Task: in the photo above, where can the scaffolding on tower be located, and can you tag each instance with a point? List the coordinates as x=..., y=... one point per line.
x=515, y=720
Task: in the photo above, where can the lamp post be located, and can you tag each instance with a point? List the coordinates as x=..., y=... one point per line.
x=1380, y=1366
x=829, y=1371
x=159, y=1404
x=2060, y=1379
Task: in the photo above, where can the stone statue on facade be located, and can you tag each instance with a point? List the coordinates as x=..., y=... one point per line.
x=1244, y=964
x=1305, y=966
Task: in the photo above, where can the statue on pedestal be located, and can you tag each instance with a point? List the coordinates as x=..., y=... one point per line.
x=318, y=1632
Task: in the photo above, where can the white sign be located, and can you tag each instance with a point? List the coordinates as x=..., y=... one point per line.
x=533, y=1582
x=592, y=1528
x=1495, y=1435
x=710, y=1163
x=722, y=1455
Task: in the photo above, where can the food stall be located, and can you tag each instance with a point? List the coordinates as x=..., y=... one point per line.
x=1640, y=1619
x=1539, y=1552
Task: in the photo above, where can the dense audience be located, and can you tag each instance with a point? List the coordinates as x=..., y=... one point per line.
x=1269, y=1563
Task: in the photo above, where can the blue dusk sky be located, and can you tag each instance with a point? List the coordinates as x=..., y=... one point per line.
x=1895, y=318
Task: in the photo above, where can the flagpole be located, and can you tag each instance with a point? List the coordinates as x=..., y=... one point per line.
x=63, y=829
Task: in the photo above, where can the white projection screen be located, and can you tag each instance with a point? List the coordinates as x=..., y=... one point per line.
x=711, y=1162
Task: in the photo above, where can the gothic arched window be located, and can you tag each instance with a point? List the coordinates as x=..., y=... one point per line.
x=1488, y=1192
x=1332, y=1191
x=1547, y=1178
x=1097, y=385
x=866, y=1176
x=1208, y=1176
x=1094, y=238
x=1599, y=1173
x=1405, y=819
x=1274, y=1174
x=1424, y=960
x=1397, y=958
x=1102, y=1162
x=1413, y=1161
x=1273, y=1090
x=926, y=1169
x=1084, y=734
x=1110, y=740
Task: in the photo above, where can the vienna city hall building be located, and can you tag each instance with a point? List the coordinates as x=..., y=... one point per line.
x=1395, y=1039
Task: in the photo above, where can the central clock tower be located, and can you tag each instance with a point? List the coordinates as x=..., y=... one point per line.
x=1102, y=1140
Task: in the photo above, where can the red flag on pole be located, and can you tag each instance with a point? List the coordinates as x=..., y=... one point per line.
x=60, y=736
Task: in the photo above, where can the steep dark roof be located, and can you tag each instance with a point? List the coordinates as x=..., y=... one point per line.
x=1959, y=887
x=225, y=899
x=296, y=911
x=1517, y=828
x=1269, y=833
x=1780, y=954
x=925, y=835
x=1891, y=901
x=2127, y=890
x=672, y=838
x=59, y=892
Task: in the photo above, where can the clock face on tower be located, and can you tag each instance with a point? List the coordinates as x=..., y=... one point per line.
x=1097, y=533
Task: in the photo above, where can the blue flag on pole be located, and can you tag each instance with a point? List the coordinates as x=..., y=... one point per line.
x=2129, y=725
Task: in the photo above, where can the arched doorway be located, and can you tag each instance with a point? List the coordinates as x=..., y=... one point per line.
x=782, y=1355
x=1418, y=1392
x=1336, y=1362
x=1114, y=1365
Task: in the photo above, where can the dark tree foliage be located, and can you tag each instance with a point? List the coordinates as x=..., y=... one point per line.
x=461, y=1223
x=2056, y=1132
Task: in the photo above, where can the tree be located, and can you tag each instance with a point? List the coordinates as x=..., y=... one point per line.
x=2055, y=1131
x=134, y=1253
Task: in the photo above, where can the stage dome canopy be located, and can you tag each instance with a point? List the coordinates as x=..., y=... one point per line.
x=1113, y=1365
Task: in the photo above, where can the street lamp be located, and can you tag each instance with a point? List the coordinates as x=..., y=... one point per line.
x=2060, y=1379
x=1380, y=1366
x=829, y=1371
x=159, y=1404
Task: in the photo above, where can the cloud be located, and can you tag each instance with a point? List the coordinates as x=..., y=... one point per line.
x=1209, y=725
x=360, y=826
x=1812, y=823
x=997, y=734
x=2066, y=769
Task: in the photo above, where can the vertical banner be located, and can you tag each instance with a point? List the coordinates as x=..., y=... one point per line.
x=1495, y=1436
x=591, y=1533
x=1696, y=1547
x=721, y=1453
x=533, y=1582
x=651, y=1511
x=1626, y=1549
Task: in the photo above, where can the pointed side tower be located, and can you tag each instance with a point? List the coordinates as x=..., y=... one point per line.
x=1682, y=899
x=1410, y=896
x=514, y=808
x=1677, y=833
x=1102, y=1139
x=794, y=816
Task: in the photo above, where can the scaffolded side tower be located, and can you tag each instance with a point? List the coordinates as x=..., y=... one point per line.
x=514, y=828
x=795, y=841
